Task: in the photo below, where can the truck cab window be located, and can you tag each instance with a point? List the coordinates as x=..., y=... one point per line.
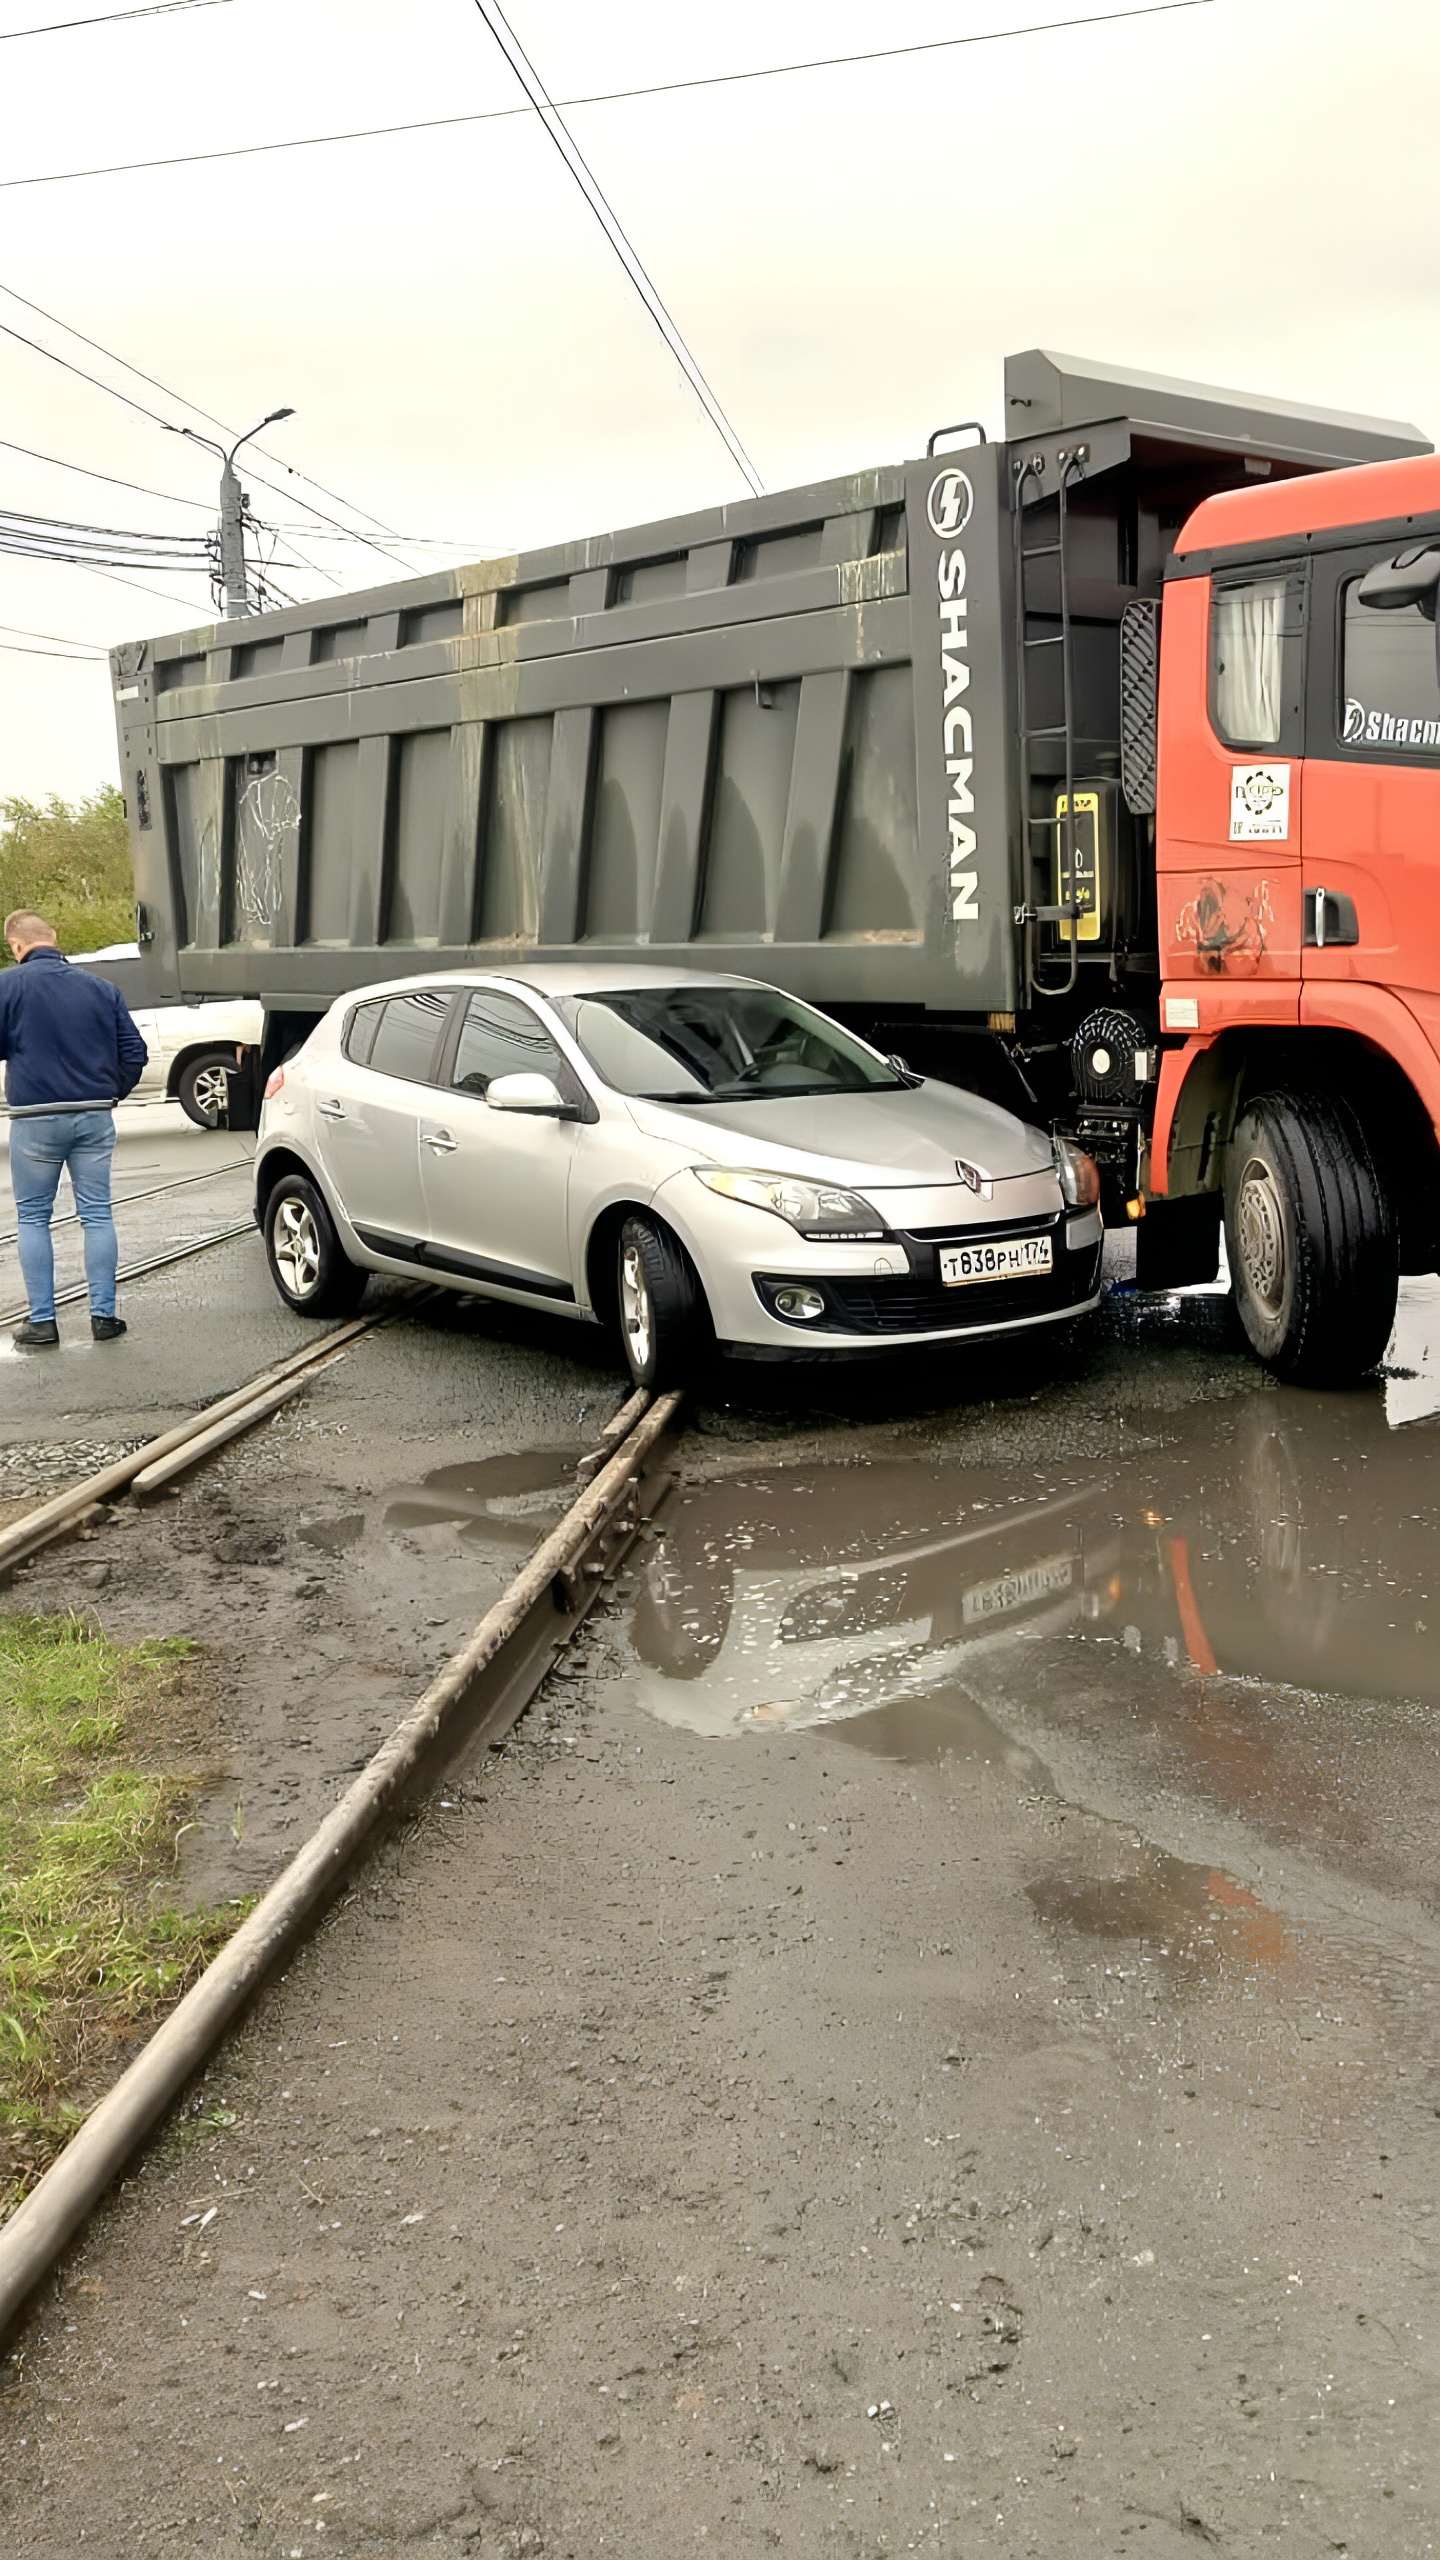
x=1389, y=684
x=1256, y=634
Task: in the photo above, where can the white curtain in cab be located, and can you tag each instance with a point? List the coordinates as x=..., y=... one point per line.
x=1249, y=627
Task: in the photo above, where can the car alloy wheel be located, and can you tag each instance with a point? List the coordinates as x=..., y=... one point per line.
x=295, y=1242
x=636, y=1313
x=210, y=1089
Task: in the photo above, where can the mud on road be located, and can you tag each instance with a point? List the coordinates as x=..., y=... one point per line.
x=922, y=2040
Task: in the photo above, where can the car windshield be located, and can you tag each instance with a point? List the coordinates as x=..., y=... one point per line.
x=718, y=1044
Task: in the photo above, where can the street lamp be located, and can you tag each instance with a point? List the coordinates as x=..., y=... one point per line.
x=232, y=510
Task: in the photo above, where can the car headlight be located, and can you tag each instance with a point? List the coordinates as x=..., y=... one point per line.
x=1079, y=1174
x=819, y=1212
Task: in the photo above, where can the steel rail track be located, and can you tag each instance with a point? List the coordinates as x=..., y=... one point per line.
x=186, y=1442
x=138, y=1270
x=472, y=1701
x=152, y=1191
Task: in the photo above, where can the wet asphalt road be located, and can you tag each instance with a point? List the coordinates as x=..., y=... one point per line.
x=923, y=2041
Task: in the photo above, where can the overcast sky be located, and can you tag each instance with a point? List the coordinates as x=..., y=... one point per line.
x=1237, y=191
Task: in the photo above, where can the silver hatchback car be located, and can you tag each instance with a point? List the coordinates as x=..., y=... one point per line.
x=695, y=1159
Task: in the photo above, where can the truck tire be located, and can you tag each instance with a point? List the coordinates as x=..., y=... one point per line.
x=664, y=1321
x=202, y=1088
x=1311, y=1239
x=307, y=1263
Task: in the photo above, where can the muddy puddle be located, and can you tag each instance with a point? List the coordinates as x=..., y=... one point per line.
x=1245, y=1612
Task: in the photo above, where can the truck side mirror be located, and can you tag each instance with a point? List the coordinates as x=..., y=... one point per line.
x=1412, y=577
x=1139, y=703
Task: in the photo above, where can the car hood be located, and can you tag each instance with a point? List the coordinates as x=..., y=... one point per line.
x=896, y=1138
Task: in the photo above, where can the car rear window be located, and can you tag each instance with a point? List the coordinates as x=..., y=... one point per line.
x=360, y=1032
x=408, y=1035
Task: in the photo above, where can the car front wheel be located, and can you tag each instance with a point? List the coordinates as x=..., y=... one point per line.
x=1310, y=1237
x=664, y=1321
x=307, y=1263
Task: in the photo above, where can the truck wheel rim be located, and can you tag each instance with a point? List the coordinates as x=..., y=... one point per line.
x=1260, y=1233
x=296, y=1243
x=635, y=1306
x=210, y=1092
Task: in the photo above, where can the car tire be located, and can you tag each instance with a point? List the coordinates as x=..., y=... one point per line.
x=664, y=1321
x=202, y=1088
x=1311, y=1239
x=311, y=1271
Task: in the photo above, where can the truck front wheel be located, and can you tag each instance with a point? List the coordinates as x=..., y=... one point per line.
x=1310, y=1236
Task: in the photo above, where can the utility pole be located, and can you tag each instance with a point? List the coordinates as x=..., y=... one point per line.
x=233, y=576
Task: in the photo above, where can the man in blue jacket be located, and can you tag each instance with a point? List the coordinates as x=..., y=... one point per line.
x=72, y=1052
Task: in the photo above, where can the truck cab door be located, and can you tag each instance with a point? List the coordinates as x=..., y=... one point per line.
x=1228, y=843
x=1372, y=806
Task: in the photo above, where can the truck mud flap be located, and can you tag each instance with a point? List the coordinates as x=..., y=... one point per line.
x=1177, y=1242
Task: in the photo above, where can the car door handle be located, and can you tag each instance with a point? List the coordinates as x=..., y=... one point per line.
x=442, y=1142
x=331, y=1110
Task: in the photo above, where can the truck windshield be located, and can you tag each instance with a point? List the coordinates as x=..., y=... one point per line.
x=717, y=1044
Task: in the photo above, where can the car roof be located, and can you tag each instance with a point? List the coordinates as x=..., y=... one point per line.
x=556, y=978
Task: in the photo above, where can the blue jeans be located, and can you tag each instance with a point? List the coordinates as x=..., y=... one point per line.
x=40, y=1150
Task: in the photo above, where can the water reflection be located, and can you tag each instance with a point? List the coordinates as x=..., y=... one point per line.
x=1192, y=1916
x=1204, y=1608
x=1291, y=1539
x=501, y=1500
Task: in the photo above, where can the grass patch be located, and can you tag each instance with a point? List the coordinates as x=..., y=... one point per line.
x=99, y=1755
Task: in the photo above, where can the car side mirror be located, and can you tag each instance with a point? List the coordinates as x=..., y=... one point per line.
x=526, y=1092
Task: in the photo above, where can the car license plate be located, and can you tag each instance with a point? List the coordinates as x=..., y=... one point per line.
x=1016, y=1590
x=1018, y=1258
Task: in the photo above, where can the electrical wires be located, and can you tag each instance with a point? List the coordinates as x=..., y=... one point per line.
x=616, y=97
x=101, y=546
x=591, y=189
x=112, y=18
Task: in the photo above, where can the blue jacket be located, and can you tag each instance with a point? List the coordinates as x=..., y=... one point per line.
x=68, y=1040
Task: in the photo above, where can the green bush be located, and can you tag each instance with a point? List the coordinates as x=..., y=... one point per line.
x=72, y=865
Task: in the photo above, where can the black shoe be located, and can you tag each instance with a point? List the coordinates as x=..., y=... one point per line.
x=107, y=1328
x=36, y=1334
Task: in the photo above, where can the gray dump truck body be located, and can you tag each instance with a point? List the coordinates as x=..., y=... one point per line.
x=797, y=737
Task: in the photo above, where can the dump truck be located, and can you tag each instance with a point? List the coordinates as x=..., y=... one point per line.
x=1095, y=767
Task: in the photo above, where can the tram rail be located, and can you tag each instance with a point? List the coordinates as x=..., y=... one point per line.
x=471, y=1703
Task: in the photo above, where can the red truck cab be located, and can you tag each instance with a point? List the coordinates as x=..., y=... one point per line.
x=1298, y=892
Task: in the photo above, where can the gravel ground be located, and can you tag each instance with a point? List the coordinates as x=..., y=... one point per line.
x=920, y=2041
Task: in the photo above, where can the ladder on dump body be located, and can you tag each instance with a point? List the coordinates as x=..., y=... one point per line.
x=1071, y=465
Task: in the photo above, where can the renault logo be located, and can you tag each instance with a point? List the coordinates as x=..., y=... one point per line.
x=973, y=1178
x=949, y=503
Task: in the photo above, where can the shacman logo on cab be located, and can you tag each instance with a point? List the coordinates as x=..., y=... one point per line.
x=949, y=503
x=949, y=506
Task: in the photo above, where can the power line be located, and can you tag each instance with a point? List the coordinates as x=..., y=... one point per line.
x=87, y=648
x=112, y=18
x=594, y=194
x=610, y=98
x=84, y=472
x=141, y=409
x=67, y=657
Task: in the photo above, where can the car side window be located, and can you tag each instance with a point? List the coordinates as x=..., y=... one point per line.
x=1257, y=633
x=360, y=1033
x=1389, y=683
x=408, y=1034
x=500, y=1036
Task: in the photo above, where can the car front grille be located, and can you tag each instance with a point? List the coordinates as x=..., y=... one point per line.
x=919, y=1302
